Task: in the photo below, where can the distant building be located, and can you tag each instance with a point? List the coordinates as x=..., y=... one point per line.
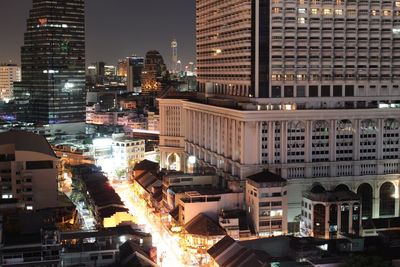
x=135, y=66
x=127, y=152
x=110, y=71
x=122, y=67
x=174, y=58
x=153, y=73
x=28, y=168
x=9, y=74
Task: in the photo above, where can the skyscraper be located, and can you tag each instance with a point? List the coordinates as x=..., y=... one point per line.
x=52, y=90
x=307, y=89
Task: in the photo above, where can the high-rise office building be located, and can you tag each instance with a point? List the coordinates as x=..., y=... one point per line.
x=52, y=90
x=134, y=74
x=9, y=73
x=307, y=89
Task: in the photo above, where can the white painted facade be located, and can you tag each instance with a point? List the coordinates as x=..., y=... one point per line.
x=330, y=147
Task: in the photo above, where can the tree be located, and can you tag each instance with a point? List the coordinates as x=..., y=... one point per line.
x=120, y=173
x=365, y=261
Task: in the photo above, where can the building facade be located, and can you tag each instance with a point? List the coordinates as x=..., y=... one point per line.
x=9, y=74
x=127, y=152
x=154, y=72
x=28, y=168
x=52, y=90
x=306, y=89
x=266, y=201
x=354, y=147
x=135, y=66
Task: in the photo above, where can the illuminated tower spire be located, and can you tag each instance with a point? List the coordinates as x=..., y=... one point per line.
x=174, y=46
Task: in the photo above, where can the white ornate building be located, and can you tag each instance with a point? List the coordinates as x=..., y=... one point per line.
x=358, y=148
x=313, y=95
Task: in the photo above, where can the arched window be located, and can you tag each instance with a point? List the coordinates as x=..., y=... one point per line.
x=368, y=133
x=342, y=187
x=344, y=140
x=333, y=223
x=317, y=188
x=344, y=218
x=386, y=199
x=364, y=191
x=320, y=141
x=295, y=141
x=391, y=136
x=319, y=220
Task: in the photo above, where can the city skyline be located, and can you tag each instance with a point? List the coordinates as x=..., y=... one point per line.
x=136, y=34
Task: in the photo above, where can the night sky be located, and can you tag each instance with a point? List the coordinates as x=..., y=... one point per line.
x=114, y=28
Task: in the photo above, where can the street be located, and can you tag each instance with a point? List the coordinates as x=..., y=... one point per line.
x=168, y=250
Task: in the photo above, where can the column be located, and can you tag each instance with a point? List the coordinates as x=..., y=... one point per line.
x=271, y=142
x=332, y=141
x=375, y=201
x=233, y=141
x=327, y=222
x=351, y=206
x=339, y=218
x=379, y=137
x=242, y=125
x=308, y=141
x=396, y=200
x=284, y=141
x=258, y=140
x=356, y=140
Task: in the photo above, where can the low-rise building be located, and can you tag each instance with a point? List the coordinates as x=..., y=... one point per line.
x=266, y=201
x=200, y=234
x=28, y=170
x=210, y=202
x=179, y=182
x=329, y=213
x=127, y=152
x=104, y=246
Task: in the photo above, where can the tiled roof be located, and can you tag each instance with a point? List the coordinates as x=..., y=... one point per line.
x=204, y=225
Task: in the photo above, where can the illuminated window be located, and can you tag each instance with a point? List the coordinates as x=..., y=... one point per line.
x=351, y=12
x=301, y=10
x=314, y=11
x=387, y=13
x=374, y=13
x=301, y=2
x=338, y=11
x=327, y=11
x=397, y=3
x=301, y=20
x=338, y=2
x=276, y=10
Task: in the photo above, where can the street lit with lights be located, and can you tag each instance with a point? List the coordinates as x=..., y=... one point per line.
x=168, y=249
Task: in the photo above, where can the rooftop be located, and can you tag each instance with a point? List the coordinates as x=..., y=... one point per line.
x=146, y=165
x=332, y=196
x=266, y=177
x=204, y=226
x=229, y=253
x=27, y=141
